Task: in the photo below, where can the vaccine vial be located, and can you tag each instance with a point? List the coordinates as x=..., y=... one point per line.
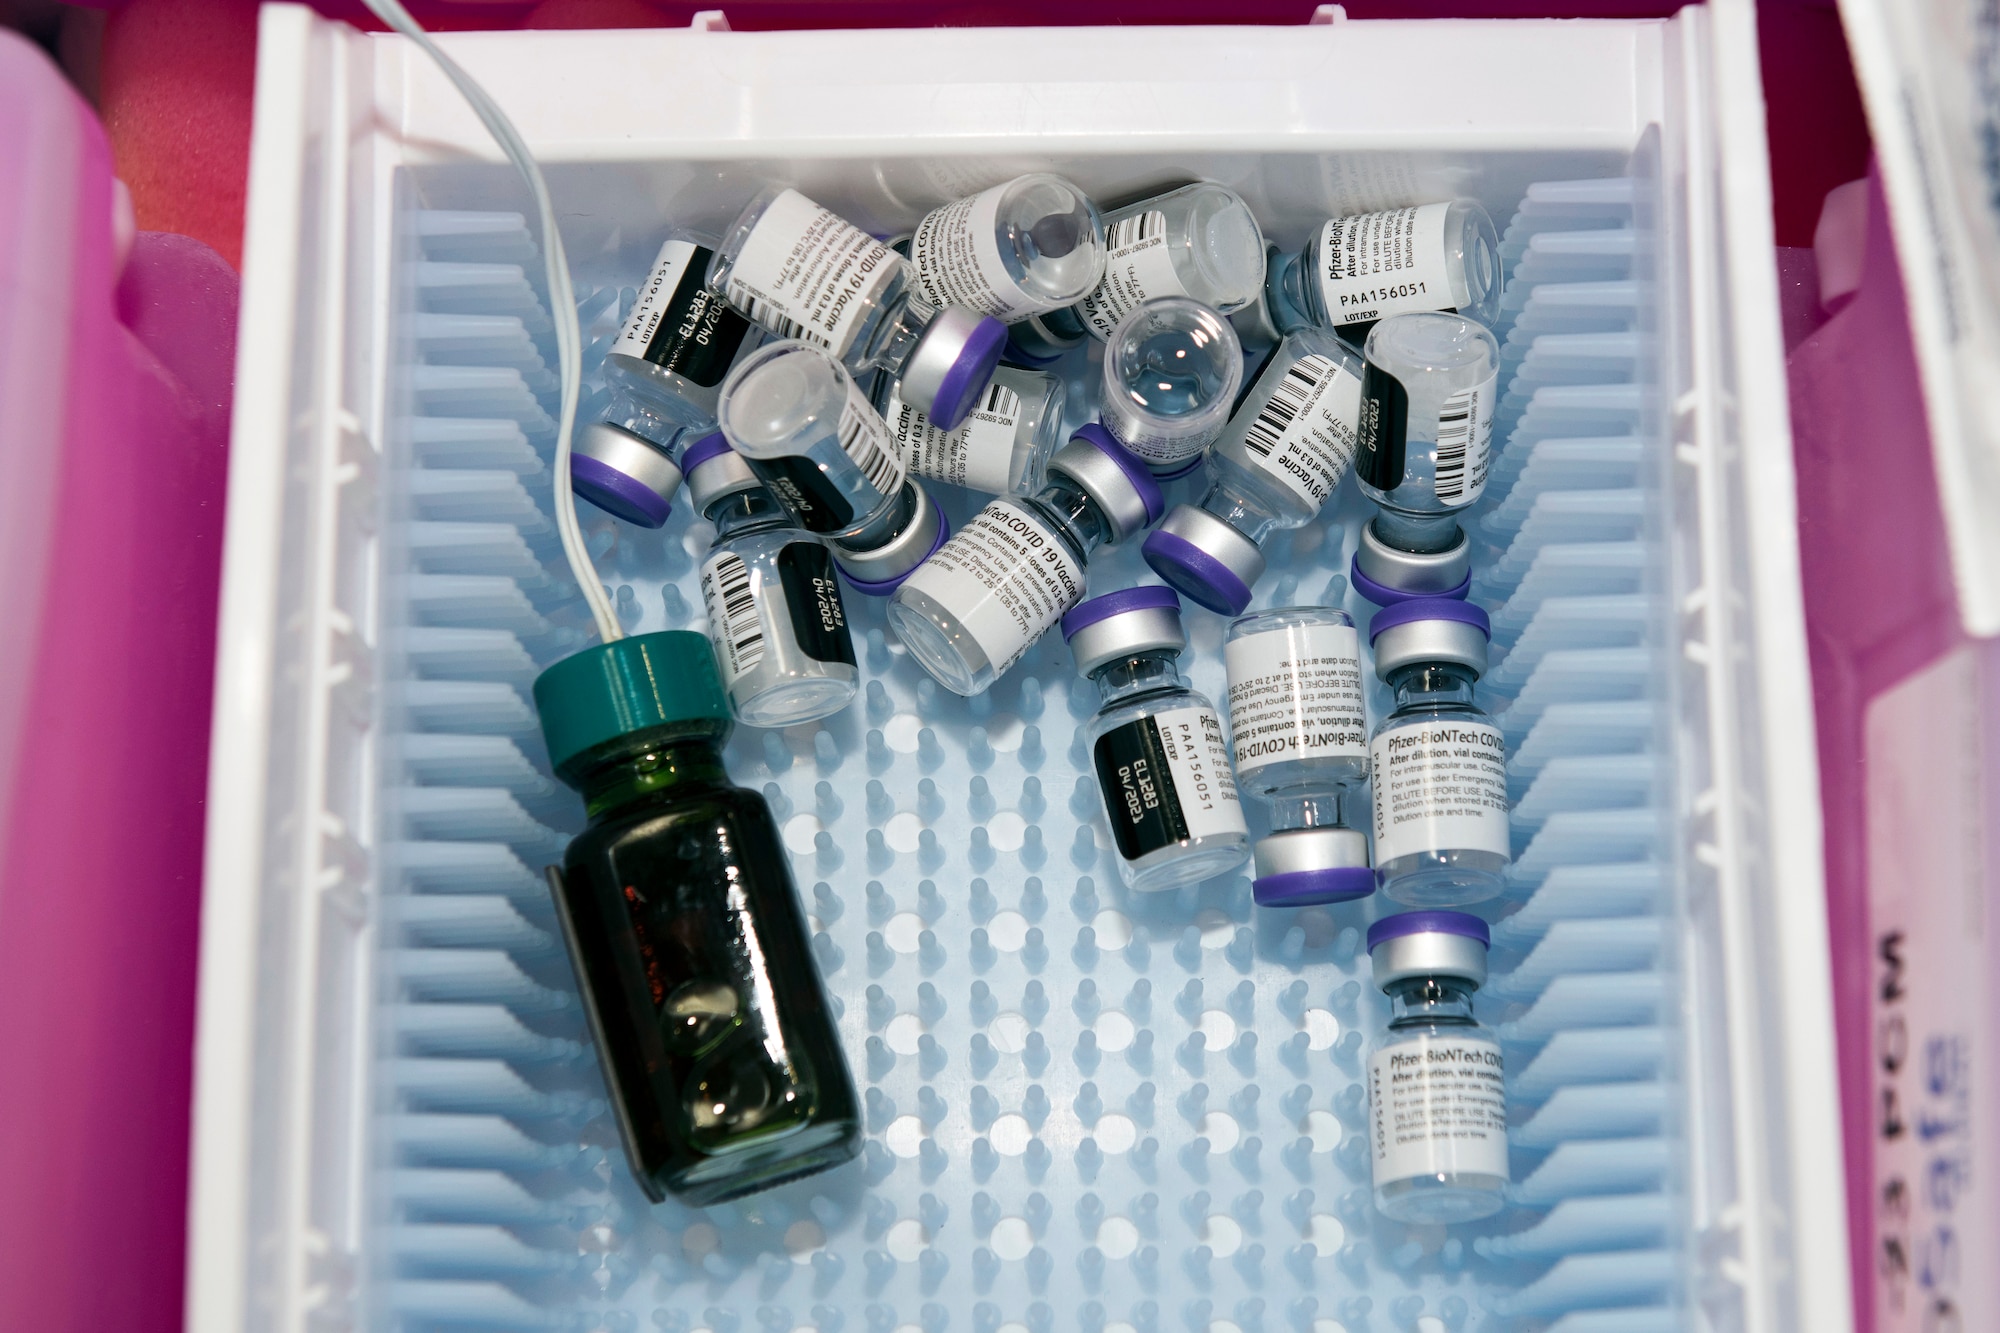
x=1423, y=446
x=1171, y=370
x=825, y=453
x=804, y=272
x=1437, y=1097
x=1286, y=447
x=1042, y=340
x=685, y=931
x=1199, y=241
x=975, y=608
x=1022, y=248
x=1356, y=270
x=775, y=617
x=1003, y=448
x=1438, y=764
x=1156, y=745
x=1300, y=746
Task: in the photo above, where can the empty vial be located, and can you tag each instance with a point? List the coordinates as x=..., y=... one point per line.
x=1427, y=400
x=1003, y=448
x=1025, y=247
x=1171, y=370
x=804, y=272
x=1437, y=1097
x=1438, y=763
x=975, y=608
x=1358, y=269
x=775, y=617
x=1155, y=744
x=1286, y=447
x=825, y=453
x=1300, y=746
x=1199, y=241
x=712, y=1027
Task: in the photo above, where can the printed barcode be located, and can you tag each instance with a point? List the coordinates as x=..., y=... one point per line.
x=882, y=466
x=1295, y=390
x=742, y=627
x=769, y=316
x=1002, y=401
x=1128, y=232
x=1455, y=422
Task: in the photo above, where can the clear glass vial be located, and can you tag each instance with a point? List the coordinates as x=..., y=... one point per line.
x=804, y=272
x=1155, y=744
x=1425, y=440
x=1300, y=746
x=775, y=618
x=1368, y=266
x=1022, y=248
x=825, y=453
x=665, y=371
x=1198, y=241
x=1003, y=448
x=1171, y=370
x=1287, y=445
x=1437, y=1096
x=1437, y=762
x=975, y=608
x=676, y=901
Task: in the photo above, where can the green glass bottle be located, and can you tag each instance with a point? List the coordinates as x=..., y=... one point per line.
x=687, y=936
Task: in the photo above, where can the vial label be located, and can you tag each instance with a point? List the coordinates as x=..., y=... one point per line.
x=1464, y=442
x=810, y=274
x=678, y=324
x=956, y=254
x=1304, y=436
x=812, y=597
x=1381, y=264
x=979, y=454
x=735, y=626
x=1006, y=577
x=1165, y=780
x=1437, y=1106
x=821, y=502
x=1439, y=786
x=1462, y=435
x=1137, y=267
x=1295, y=693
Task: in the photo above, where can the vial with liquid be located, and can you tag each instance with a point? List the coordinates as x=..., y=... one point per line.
x=1299, y=743
x=1358, y=269
x=1171, y=370
x=1199, y=241
x=1003, y=448
x=712, y=1027
x=1437, y=761
x=1437, y=1095
x=1287, y=445
x=1423, y=448
x=974, y=609
x=775, y=618
x=1155, y=744
x=1022, y=248
x=806, y=273
x=825, y=453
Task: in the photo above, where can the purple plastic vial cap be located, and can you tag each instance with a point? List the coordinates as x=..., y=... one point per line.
x=1381, y=594
x=961, y=385
x=1429, y=608
x=1204, y=579
x=616, y=493
x=1311, y=888
x=1143, y=482
x=1147, y=597
x=1175, y=471
x=1429, y=923
x=711, y=445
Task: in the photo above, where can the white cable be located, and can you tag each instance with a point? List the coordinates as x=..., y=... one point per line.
x=569, y=339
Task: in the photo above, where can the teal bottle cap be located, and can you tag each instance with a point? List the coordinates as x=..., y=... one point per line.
x=647, y=680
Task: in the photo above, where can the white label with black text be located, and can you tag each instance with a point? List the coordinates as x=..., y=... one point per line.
x=1440, y=786
x=810, y=274
x=1007, y=579
x=956, y=254
x=978, y=454
x=1203, y=784
x=866, y=439
x=735, y=626
x=661, y=285
x=1137, y=268
x=1465, y=443
x=1374, y=265
x=1303, y=436
x=1295, y=693
x=1437, y=1106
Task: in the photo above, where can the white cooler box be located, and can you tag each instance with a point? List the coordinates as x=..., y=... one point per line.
x=1085, y=1110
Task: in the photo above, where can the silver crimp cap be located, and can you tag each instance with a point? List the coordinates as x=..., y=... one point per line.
x=1430, y=641
x=1105, y=482
x=1218, y=539
x=1429, y=954
x=902, y=553
x=632, y=454
x=1294, y=851
x=943, y=342
x=1420, y=573
x=726, y=473
x=1127, y=634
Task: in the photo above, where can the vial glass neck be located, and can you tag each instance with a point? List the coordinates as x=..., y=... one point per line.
x=1234, y=504
x=631, y=414
x=643, y=769
x=1432, y=684
x=895, y=335
x=889, y=523
x=1074, y=513
x=742, y=512
x=1318, y=807
x=1430, y=1002
x=1419, y=534
x=1140, y=674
